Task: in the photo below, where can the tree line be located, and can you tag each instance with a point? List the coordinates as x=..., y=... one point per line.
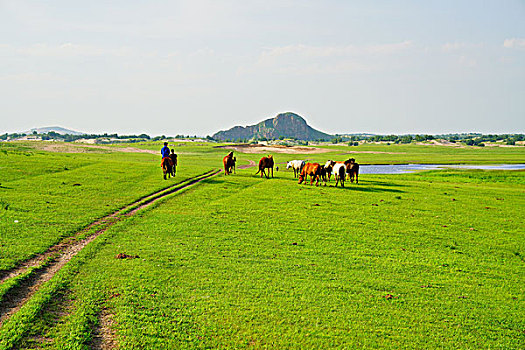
x=469, y=139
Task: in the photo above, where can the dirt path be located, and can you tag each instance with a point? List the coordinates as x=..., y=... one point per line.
x=63, y=252
x=246, y=166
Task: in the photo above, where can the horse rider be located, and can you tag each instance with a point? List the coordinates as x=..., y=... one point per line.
x=165, y=152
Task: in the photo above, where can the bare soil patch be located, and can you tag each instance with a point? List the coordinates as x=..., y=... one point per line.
x=85, y=148
x=372, y=152
x=245, y=148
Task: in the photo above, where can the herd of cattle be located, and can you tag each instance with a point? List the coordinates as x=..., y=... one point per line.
x=317, y=172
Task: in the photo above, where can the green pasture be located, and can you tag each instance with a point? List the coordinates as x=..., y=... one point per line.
x=46, y=196
x=371, y=153
x=426, y=260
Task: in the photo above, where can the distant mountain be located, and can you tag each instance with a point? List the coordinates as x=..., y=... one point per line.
x=285, y=124
x=57, y=129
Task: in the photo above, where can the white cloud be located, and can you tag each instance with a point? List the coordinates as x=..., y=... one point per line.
x=514, y=43
x=66, y=50
x=32, y=77
x=460, y=46
x=330, y=51
x=306, y=59
x=467, y=61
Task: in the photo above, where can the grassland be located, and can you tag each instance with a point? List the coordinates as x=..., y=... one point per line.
x=426, y=260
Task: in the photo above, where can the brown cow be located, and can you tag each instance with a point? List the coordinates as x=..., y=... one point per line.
x=265, y=162
x=312, y=169
x=352, y=169
x=228, y=163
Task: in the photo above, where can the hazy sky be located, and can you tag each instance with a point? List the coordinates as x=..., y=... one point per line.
x=196, y=67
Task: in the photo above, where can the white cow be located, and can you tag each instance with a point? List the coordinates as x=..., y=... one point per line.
x=297, y=166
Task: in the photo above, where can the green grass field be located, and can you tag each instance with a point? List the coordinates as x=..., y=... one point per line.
x=426, y=260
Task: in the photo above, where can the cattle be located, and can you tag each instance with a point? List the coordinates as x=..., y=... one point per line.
x=339, y=172
x=296, y=165
x=311, y=169
x=228, y=163
x=265, y=163
x=352, y=169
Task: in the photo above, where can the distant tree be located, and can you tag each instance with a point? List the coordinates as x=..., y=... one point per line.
x=406, y=139
x=35, y=132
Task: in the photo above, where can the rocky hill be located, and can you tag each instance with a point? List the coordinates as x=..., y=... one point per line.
x=287, y=125
x=58, y=129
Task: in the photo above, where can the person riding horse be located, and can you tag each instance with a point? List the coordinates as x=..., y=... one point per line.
x=166, y=163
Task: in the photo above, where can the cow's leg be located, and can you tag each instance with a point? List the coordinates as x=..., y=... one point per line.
x=356, y=178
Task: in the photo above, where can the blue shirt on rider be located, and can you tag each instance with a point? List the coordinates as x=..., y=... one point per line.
x=165, y=151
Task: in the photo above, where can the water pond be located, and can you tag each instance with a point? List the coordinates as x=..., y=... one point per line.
x=409, y=168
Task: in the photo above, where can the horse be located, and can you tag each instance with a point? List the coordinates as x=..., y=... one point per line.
x=233, y=165
x=167, y=167
x=323, y=173
x=228, y=163
x=312, y=169
x=265, y=162
x=328, y=166
x=296, y=165
x=339, y=172
x=352, y=169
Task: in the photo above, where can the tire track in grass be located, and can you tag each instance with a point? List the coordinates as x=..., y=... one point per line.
x=104, y=336
x=63, y=252
x=57, y=248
